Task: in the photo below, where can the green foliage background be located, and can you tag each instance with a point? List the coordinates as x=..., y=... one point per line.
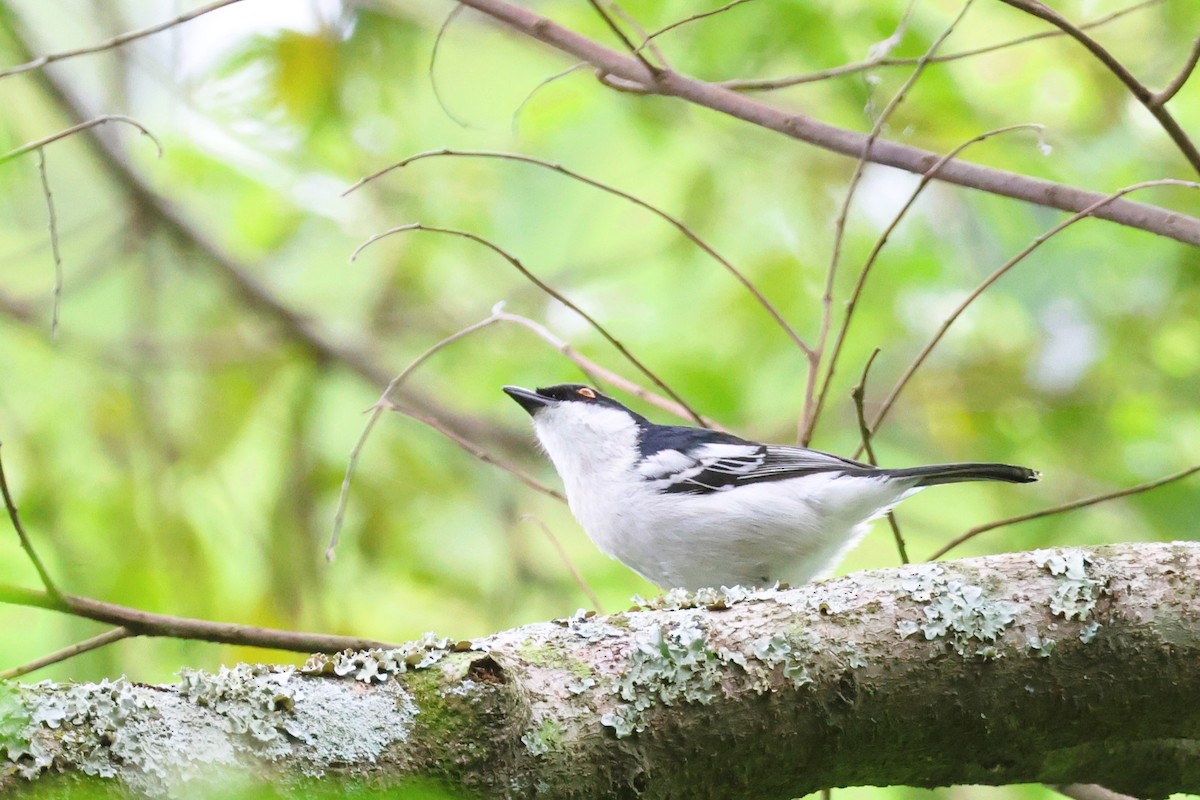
x=176, y=450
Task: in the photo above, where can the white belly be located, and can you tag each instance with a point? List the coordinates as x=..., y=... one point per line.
x=753, y=535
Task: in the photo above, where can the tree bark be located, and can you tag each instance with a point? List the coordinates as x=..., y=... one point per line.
x=1058, y=666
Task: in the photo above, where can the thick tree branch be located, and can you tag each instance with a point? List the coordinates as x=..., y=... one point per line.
x=1070, y=667
x=798, y=126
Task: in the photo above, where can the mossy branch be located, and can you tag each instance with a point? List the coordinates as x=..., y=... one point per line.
x=1060, y=666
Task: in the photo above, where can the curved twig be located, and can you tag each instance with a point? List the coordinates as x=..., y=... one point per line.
x=26, y=544
x=91, y=123
x=536, y=281
x=116, y=41
x=1185, y=72
x=674, y=221
x=576, y=575
x=433, y=54
x=1138, y=89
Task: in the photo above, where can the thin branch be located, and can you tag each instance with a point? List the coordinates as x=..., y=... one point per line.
x=1185, y=72
x=1071, y=506
x=872, y=257
x=635, y=51
x=52, y=225
x=675, y=222
x=145, y=623
x=26, y=544
x=536, y=281
x=115, y=41
x=433, y=84
x=808, y=419
x=771, y=84
x=385, y=403
x=802, y=128
x=858, y=395
x=647, y=41
x=94, y=643
x=566, y=559
x=82, y=126
x=1139, y=90
x=542, y=85
x=890, y=400
x=694, y=18
x=603, y=373
x=292, y=324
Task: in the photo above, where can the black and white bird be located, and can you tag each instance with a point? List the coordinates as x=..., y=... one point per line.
x=689, y=507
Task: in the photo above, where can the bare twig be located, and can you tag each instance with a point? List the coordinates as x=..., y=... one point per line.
x=1071, y=506
x=856, y=292
x=145, y=623
x=115, y=41
x=635, y=51
x=603, y=373
x=647, y=40
x=771, y=84
x=94, y=643
x=385, y=403
x=566, y=559
x=1185, y=72
x=536, y=281
x=1139, y=90
x=433, y=84
x=808, y=419
x=800, y=127
x=890, y=400
x=52, y=226
x=82, y=126
x=516, y=115
x=858, y=395
x=26, y=545
x=693, y=18
x=675, y=222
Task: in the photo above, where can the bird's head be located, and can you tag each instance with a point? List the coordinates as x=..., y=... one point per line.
x=576, y=423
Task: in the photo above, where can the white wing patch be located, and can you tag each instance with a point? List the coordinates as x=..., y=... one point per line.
x=717, y=467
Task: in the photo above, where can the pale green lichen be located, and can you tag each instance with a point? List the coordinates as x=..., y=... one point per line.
x=961, y=614
x=1042, y=645
x=713, y=599
x=178, y=741
x=1077, y=593
x=376, y=666
x=666, y=666
x=541, y=741
x=792, y=651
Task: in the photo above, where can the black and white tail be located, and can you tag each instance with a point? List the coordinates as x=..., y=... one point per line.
x=955, y=473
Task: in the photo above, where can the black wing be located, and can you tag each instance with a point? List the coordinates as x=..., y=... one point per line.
x=715, y=463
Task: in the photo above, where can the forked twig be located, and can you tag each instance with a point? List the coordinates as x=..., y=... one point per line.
x=1071, y=506
x=902, y=382
x=856, y=292
x=808, y=418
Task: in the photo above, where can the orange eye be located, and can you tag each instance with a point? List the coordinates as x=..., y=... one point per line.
x=586, y=392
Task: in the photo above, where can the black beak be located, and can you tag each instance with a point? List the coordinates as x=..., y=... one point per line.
x=530, y=401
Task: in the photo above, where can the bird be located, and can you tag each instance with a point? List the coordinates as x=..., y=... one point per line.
x=692, y=508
